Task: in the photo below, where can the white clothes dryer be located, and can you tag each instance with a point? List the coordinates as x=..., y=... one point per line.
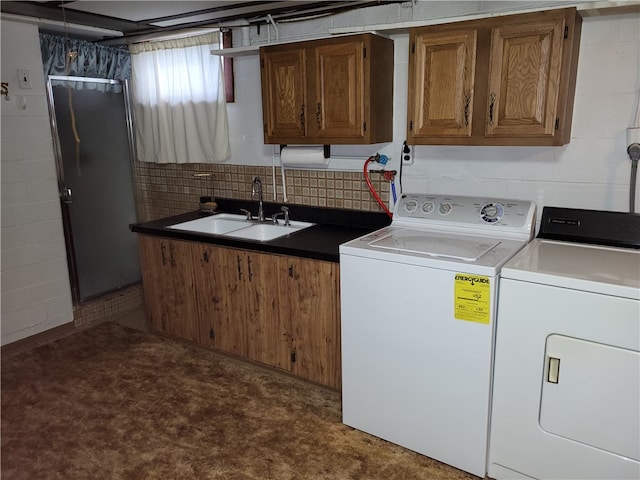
x=418, y=303
x=566, y=395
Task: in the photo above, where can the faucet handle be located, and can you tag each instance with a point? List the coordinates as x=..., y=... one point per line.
x=274, y=217
x=285, y=210
x=247, y=213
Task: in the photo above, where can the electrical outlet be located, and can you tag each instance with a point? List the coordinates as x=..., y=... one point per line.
x=24, y=78
x=407, y=158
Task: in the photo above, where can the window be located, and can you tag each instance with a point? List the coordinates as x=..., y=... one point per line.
x=179, y=101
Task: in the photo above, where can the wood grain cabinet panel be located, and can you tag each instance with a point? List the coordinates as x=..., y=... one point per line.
x=524, y=78
x=499, y=81
x=330, y=91
x=339, y=90
x=219, y=277
x=309, y=300
x=444, y=66
x=284, y=93
x=169, y=287
x=277, y=310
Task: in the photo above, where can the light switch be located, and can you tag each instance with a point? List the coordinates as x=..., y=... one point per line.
x=24, y=78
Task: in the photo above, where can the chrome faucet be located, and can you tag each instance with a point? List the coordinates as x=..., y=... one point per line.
x=257, y=190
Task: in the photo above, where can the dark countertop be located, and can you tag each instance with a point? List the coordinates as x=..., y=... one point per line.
x=320, y=242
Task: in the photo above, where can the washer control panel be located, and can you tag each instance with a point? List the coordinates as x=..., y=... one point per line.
x=465, y=211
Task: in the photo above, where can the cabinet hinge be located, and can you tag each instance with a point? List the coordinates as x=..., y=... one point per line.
x=566, y=31
x=291, y=271
x=211, y=334
x=364, y=52
x=411, y=125
x=293, y=357
x=205, y=257
x=557, y=123
x=413, y=47
x=364, y=126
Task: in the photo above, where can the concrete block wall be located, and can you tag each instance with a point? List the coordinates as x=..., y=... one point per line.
x=36, y=295
x=592, y=172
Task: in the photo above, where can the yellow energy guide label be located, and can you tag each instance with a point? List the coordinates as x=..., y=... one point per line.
x=472, y=296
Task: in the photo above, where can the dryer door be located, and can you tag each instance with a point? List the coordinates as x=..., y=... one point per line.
x=591, y=393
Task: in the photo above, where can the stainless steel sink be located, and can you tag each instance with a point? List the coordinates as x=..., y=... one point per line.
x=237, y=226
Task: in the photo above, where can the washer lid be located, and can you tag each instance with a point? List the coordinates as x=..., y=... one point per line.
x=460, y=247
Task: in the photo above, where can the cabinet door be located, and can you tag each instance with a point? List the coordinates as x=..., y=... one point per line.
x=267, y=331
x=524, y=78
x=283, y=93
x=338, y=75
x=167, y=275
x=310, y=300
x=441, y=84
x=221, y=279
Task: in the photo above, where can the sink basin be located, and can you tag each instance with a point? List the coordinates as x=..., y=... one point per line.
x=216, y=224
x=237, y=226
x=267, y=231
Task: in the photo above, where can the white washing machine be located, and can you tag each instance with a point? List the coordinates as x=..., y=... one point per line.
x=418, y=303
x=566, y=397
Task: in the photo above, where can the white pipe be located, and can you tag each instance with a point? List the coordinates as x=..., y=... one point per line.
x=285, y=199
x=275, y=27
x=273, y=176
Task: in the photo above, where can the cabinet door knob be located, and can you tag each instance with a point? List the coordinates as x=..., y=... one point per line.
x=492, y=103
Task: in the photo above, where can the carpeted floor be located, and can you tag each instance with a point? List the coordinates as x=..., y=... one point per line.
x=110, y=402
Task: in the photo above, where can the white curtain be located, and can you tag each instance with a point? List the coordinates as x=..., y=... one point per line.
x=179, y=101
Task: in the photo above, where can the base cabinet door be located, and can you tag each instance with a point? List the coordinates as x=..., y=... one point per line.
x=267, y=331
x=222, y=309
x=309, y=299
x=169, y=291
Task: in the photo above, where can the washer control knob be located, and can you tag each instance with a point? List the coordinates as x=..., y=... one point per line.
x=492, y=212
x=444, y=208
x=411, y=206
x=427, y=207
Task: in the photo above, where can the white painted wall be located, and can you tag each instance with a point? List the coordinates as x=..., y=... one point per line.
x=36, y=294
x=593, y=171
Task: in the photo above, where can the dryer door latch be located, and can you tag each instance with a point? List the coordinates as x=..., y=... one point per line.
x=553, y=372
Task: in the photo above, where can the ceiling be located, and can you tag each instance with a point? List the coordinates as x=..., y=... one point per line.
x=125, y=19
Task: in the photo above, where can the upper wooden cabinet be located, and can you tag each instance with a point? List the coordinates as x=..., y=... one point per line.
x=498, y=81
x=331, y=91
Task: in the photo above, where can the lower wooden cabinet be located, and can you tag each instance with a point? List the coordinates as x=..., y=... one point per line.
x=308, y=294
x=277, y=310
x=169, y=291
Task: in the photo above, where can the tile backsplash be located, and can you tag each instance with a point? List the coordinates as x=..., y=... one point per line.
x=169, y=189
